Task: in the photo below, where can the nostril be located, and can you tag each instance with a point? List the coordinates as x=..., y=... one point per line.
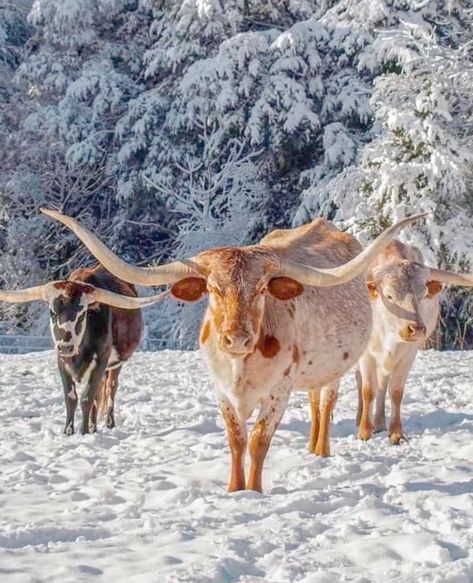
x=246, y=343
x=411, y=329
x=227, y=340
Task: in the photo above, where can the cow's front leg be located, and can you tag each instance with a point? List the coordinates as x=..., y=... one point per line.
x=237, y=438
x=88, y=399
x=396, y=433
x=314, y=398
x=396, y=392
x=328, y=399
x=271, y=412
x=70, y=398
x=380, y=406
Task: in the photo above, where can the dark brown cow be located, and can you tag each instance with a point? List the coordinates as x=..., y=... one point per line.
x=96, y=326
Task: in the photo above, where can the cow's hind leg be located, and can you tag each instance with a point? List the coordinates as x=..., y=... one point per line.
x=359, y=387
x=237, y=438
x=328, y=399
x=314, y=399
x=369, y=387
x=110, y=391
x=271, y=412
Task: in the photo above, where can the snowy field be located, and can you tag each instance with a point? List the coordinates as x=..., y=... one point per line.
x=146, y=502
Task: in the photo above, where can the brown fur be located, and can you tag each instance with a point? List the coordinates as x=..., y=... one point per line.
x=126, y=324
x=268, y=346
x=205, y=332
x=189, y=289
x=285, y=288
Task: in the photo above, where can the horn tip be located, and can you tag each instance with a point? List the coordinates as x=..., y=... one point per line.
x=48, y=212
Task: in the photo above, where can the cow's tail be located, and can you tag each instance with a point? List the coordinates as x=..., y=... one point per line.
x=102, y=396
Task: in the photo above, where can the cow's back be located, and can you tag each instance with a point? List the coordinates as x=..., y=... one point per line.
x=332, y=324
x=126, y=324
x=319, y=244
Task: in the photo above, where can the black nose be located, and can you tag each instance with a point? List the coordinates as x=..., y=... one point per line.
x=65, y=349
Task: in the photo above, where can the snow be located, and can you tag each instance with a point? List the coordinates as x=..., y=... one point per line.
x=146, y=501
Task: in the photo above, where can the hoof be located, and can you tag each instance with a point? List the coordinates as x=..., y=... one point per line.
x=69, y=430
x=322, y=451
x=365, y=434
x=396, y=437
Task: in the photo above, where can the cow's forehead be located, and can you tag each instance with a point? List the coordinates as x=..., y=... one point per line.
x=402, y=274
x=236, y=265
x=70, y=296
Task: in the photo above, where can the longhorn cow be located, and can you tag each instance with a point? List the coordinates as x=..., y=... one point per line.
x=404, y=297
x=290, y=312
x=95, y=322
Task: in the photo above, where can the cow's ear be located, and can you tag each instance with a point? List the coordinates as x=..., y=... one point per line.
x=372, y=290
x=285, y=288
x=190, y=289
x=433, y=288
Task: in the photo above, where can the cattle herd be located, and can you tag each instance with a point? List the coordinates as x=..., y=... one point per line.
x=293, y=312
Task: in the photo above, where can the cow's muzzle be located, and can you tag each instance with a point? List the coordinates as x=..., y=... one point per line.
x=66, y=349
x=413, y=332
x=237, y=343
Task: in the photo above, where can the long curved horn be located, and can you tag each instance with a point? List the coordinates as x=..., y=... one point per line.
x=22, y=296
x=159, y=275
x=115, y=300
x=464, y=279
x=327, y=277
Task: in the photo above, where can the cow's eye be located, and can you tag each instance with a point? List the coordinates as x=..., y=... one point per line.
x=389, y=297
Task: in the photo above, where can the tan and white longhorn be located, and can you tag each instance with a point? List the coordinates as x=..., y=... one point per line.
x=291, y=312
x=405, y=301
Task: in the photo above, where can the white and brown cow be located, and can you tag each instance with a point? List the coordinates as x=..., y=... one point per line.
x=290, y=312
x=95, y=322
x=404, y=297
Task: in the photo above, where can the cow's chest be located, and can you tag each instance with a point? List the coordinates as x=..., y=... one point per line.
x=80, y=369
x=251, y=378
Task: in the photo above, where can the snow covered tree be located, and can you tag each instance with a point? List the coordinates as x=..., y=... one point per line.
x=171, y=125
x=420, y=154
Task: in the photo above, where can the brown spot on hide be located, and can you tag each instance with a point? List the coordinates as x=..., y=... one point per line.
x=268, y=346
x=310, y=362
x=205, y=332
x=287, y=371
x=346, y=355
x=295, y=354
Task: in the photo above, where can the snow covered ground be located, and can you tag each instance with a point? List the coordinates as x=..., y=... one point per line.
x=146, y=502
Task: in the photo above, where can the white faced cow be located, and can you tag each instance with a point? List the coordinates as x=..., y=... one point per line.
x=96, y=326
x=404, y=298
x=290, y=312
